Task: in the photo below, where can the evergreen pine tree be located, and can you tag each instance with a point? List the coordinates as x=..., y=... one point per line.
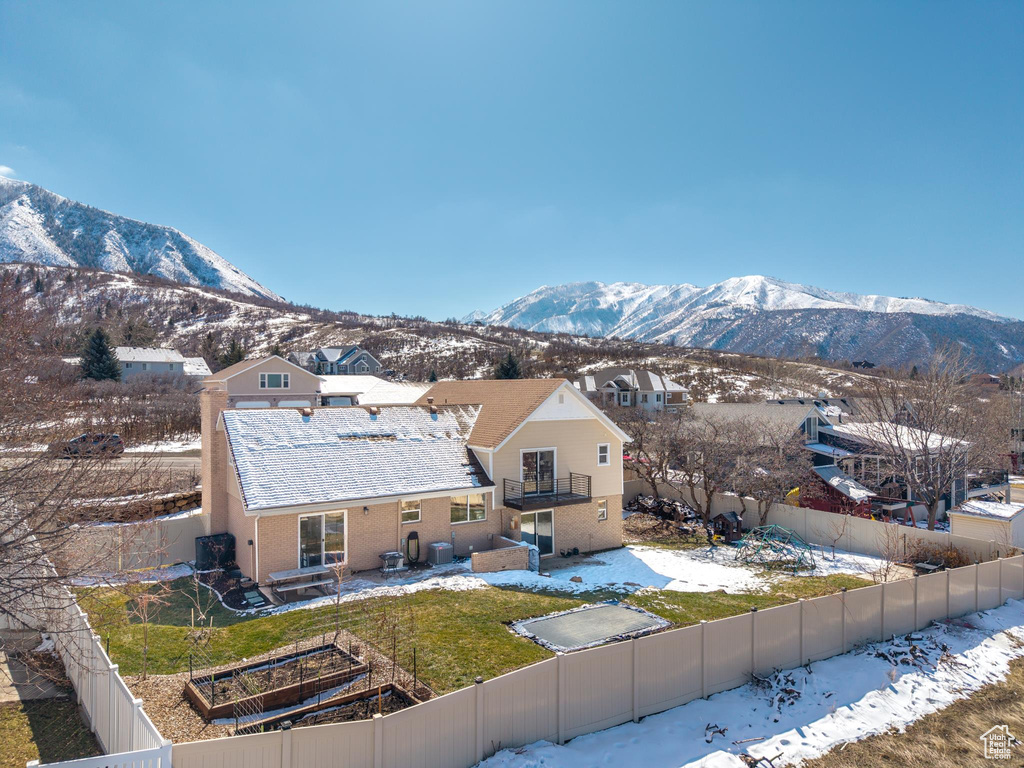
x=209, y=351
x=98, y=359
x=509, y=368
x=40, y=286
x=913, y=372
x=433, y=375
x=235, y=353
x=276, y=350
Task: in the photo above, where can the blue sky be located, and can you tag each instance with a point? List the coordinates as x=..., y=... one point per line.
x=434, y=158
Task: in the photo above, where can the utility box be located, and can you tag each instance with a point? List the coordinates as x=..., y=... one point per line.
x=440, y=553
x=216, y=551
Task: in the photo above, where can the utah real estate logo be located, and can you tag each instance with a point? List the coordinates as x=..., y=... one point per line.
x=998, y=743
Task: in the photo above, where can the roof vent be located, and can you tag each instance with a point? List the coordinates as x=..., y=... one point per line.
x=307, y=412
x=374, y=410
x=430, y=399
x=433, y=410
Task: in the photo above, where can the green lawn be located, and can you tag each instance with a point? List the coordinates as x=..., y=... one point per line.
x=49, y=730
x=457, y=635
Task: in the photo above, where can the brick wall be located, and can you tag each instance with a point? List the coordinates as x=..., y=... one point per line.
x=214, y=464
x=507, y=556
x=577, y=525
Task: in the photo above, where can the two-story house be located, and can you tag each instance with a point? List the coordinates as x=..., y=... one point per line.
x=337, y=361
x=630, y=388
x=305, y=486
x=136, y=361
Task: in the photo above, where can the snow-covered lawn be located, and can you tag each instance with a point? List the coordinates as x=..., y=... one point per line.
x=623, y=570
x=841, y=699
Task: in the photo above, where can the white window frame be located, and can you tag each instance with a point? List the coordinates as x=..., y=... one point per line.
x=467, y=520
x=323, y=536
x=607, y=454
x=265, y=380
x=127, y=365
x=145, y=366
x=643, y=398
x=419, y=510
x=657, y=397
x=602, y=510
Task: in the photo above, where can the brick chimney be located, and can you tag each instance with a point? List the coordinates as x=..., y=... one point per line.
x=214, y=459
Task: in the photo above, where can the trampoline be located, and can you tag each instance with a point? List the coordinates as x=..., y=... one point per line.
x=589, y=626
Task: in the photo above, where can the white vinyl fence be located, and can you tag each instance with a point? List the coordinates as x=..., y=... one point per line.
x=590, y=690
x=115, y=547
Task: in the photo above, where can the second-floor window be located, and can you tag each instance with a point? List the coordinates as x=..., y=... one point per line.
x=657, y=398
x=643, y=398
x=604, y=455
x=127, y=365
x=811, y=428
x=274, y=380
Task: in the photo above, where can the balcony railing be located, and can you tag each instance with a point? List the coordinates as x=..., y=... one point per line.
x=574, y=489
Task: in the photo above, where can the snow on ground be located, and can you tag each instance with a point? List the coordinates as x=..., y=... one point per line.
x=166, y=446
x=841, y=699
x=147, y=576
x=623, y=570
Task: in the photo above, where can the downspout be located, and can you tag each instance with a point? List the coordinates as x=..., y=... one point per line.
x=256, y=547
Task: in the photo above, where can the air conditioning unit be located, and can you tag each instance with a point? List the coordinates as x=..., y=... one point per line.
x=440, y=553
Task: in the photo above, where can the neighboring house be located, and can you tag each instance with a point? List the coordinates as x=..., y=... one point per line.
x=196, y=367
x=143, y=360
x=300, y=487
x=989, y=521
x=633, y=389
x=355, y=389
x=337, y=361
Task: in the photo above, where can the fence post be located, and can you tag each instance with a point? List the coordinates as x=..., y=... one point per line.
x=136, y=707
x=559, y=662
x=801, y=603
x=636, y=682
x=842, y=597
x=881, y=633
x=286, y=744
x=378, y=741
x=753, y=641
x=479, y=689
x=975, y=586
x=999, y=560
x=703, y=658
x=166, y=754
x=916, y=582
x=112, y=729
x=947, y=593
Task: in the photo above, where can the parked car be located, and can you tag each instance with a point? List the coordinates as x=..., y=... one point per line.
x=91, y=444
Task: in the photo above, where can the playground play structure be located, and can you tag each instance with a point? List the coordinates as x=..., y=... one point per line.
x=775, y=547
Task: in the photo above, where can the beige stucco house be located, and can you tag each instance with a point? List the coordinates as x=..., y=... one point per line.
x=303, y=486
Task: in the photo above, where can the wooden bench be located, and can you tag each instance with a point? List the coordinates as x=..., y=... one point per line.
x=285, y=582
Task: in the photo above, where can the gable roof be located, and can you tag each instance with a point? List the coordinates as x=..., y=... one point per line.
x=770, y=413
x=196, y=366
x=506, y=405
x=647, y=381
x=241, y=367
x=284, y=459
x=148, y=355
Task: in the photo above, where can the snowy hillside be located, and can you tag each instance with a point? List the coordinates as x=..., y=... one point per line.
x=39, y=227
x=763, y=315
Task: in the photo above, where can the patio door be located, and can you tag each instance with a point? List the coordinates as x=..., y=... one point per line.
x=538, y=471
x=311, y=541
x=538, y=528
x=322, y=539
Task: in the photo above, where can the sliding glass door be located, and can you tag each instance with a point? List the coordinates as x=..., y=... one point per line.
x=538, y=528
x=322, y=539
x=538, y=472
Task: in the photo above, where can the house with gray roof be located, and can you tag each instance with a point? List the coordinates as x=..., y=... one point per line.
x=337, y=361
x=631, y=388
x=136, y=361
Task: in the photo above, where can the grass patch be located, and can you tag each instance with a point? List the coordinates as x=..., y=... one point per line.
x=949, y=738
x=458, y=635
x=48, y=730
x=685, y=608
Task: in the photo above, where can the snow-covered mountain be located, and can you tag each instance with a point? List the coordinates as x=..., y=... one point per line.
x=40, y=227
x=763, y=315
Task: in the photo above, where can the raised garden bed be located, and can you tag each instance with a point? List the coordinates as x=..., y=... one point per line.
x=274, y=683
x=358, y=705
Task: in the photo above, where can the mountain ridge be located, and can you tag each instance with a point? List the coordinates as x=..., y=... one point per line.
x=763, y=315
x=38, y=226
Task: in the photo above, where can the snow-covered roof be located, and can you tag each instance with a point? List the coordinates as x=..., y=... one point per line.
x=828, y=450
x=883, y=433
x=286, y=459
x=148, y=355
x=843, y=483
x=373, y=390
x=992, y=509
x=196, y=366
